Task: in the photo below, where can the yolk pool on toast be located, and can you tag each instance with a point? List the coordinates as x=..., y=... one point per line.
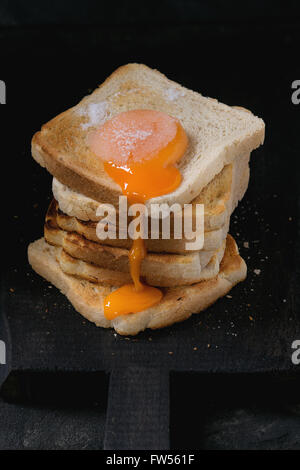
x=139, y=149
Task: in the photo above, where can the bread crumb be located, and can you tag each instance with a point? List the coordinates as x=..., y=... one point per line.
x=11, y=289
x=208, y=345
x=246, y=244
x=229, y=296
x=172, y=94
x=257, y=271
x=96, y=114
x=170, y=352
x=251, y=318
x=195, y=348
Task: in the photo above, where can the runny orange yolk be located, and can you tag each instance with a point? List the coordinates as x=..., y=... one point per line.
x=139, y=149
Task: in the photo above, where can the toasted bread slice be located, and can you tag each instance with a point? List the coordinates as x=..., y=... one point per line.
x=157, y=269
x=217, y=134
x=219, y=197
x=162, y=275
x=212, y=239
x=178, y=303
x=91, y=272
x=58, y=225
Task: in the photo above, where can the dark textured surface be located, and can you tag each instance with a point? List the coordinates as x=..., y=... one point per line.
x=48, y=70
x=143, y=425
x=5, y=358
x=53, y=411
x=252, y=330
x=18, y=12
x=234, y=412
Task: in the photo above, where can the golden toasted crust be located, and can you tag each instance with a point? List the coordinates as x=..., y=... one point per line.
x=91, y=272
x=217, y=134
x=87, y=229
x=219, y=197
x=178, y=303
x=215, y=197
x=158, y=269
x=77, y=176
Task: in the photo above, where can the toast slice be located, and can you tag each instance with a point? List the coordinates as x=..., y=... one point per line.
x=212, y=239
x=162, y=275
x=220, y=197
x=218, y=134
x=178, y=303
x=109, y=277
x=157, y=269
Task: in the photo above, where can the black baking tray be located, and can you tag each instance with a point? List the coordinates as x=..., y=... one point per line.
x=249, y=331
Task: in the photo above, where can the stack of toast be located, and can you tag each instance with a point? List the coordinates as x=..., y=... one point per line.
x=215, y=173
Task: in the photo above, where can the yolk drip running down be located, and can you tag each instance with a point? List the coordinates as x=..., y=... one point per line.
x=139, y=149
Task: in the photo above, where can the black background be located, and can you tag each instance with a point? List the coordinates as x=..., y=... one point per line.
x=247, y=54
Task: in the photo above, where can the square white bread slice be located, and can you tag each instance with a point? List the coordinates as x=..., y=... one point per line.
x=212, y=239
x=157, y=269
x=217, y=134
x=80, y=240
x=178, y=303
x=219, y=197
x=162, y=275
